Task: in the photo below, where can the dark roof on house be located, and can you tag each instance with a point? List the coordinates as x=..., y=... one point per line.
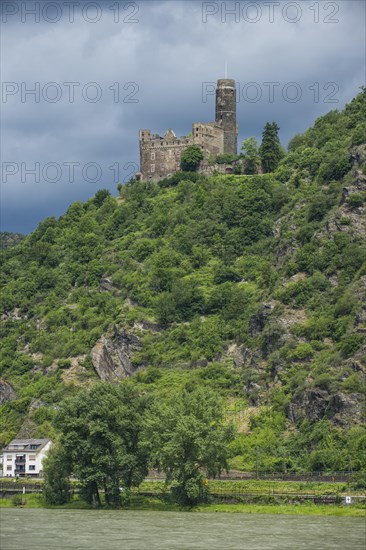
x=24, y=445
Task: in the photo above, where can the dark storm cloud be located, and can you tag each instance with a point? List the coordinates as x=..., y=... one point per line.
x=160, y=65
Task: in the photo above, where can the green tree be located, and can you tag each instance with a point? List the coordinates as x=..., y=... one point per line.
x=191, y=158
x=250, y=153
x=101, y=440
x=100, y=196
x=270, y=150
x=189, y=439
x=56, y=482
x=226, y=158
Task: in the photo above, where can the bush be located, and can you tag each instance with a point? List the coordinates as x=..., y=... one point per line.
x=323, y=381
x=350, y=344
x=64, y=363
x=302, y=352
x=335, y=168
x=355, y=200
x=353, y=383
x=18, y=500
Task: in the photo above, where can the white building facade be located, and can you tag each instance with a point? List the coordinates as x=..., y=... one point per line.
x=24, y=457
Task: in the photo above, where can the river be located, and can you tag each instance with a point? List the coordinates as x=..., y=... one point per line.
x=133, y=530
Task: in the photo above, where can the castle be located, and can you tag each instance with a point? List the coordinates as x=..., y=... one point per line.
x=160, y=156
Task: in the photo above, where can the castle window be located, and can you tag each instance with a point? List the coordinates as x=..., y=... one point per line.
x=152, y=168
x=162, y=166
x=152, y=156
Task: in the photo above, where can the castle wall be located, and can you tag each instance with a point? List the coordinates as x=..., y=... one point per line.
x=160, y=156
x=208, y=136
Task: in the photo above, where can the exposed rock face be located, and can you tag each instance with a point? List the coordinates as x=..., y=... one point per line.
x=6, y=392
x=315, y=404
x=243, y=356
x=111, y=355
x=74, y=374
x=257, y=321
x=105, y=284
x=346, y=409
x=358, y=155
x=311, y=404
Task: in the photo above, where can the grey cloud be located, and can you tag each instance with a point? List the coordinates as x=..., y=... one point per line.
x=169, y=54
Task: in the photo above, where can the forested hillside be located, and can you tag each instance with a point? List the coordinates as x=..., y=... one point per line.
x=254, y=286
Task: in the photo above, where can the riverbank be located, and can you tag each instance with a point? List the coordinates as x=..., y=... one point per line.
x=139, y=503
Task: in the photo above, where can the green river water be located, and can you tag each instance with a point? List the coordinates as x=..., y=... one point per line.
x=133, y=530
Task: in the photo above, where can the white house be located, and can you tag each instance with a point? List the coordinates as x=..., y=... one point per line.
x=23, y=457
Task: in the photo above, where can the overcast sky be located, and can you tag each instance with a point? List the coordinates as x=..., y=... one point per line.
x=132, y=65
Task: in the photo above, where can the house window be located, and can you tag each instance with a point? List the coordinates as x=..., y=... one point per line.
x=152, y=156
x=32, y=457
x=34, y=447
x=9, y=468
x=32, y=468
x=152, y=168
x=9, y=457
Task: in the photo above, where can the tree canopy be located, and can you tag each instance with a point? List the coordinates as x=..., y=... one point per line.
x=189, y=440
x=191, y=158
x=101, y=440
x=270, y=150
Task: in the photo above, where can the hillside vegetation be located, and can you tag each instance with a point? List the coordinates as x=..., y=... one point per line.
x=254, y=286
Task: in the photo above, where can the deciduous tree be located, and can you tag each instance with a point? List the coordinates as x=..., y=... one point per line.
x=189, y=440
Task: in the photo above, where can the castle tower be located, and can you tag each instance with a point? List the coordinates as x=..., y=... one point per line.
x=226, y=113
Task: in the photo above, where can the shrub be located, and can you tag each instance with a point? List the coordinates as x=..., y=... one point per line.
x=355, y=200
x=350, y=344
x=302, y=352
x=353, y=383
x=323, y=381
x=64, y=363
x=18, y=500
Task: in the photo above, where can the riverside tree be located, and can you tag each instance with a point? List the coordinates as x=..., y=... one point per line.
x=270, y=150
x=101, y=442
x=189, y=440
x=56, y=483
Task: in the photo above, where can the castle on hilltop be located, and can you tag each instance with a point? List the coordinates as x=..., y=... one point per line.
x=160, y=156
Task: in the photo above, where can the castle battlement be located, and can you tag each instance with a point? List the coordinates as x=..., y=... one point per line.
x=160, y=155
